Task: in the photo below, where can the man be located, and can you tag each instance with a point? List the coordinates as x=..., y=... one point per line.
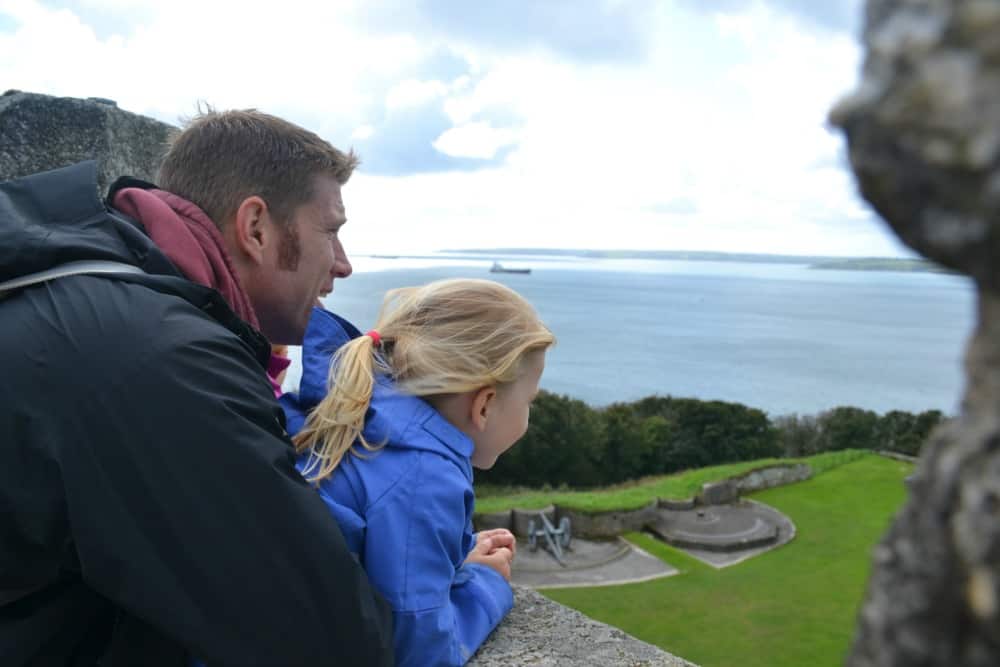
x=150, y=511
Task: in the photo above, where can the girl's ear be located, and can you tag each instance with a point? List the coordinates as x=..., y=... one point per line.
x=482, y=403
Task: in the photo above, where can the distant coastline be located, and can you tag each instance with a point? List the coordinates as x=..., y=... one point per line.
x=687, y=255
x=883, y=264
x=902, y=264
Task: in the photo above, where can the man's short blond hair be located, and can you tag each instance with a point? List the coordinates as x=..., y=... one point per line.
x=220, y=158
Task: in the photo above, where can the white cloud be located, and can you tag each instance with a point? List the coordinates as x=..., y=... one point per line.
x=476, y=140
x=362, y=132
x=413, y=93
x=726, y=113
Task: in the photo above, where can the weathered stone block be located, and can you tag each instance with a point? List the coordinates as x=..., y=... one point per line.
x=608, y=524
x=718, y=493
x=767, y=478
x=40, y=132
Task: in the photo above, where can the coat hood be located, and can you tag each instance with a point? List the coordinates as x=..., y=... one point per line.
x=54, y=217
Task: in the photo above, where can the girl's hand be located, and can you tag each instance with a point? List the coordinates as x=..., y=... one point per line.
x=496, y=549
x=498, y=558
x=501, y=537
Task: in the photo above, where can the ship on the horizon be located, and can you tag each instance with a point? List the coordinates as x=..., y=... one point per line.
x=500, y=268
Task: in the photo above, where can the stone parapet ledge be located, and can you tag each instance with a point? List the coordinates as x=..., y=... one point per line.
x=544, y=633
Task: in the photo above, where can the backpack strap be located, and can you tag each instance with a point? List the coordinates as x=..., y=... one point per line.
x=205, y=298
x=96, y=266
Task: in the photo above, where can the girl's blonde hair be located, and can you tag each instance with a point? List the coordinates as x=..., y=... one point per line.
x=446, y=337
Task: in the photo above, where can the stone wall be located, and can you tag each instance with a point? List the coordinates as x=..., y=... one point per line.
x=617, y=522
x=608, y=524
x=923, y=130
x=543, y=633
x=40, y=132
x=766, y=478
x=896, y=456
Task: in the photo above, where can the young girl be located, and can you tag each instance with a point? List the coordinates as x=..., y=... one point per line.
x=441, y=384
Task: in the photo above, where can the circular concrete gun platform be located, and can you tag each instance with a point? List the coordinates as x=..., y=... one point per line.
x=719, y=535
x=586, y=563
x=722, y=535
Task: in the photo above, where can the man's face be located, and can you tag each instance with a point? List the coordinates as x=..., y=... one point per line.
x=304, y=264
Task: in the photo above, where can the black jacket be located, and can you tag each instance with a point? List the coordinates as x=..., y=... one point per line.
x=150, y=509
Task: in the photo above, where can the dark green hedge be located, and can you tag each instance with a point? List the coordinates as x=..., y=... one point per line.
x=570, y=443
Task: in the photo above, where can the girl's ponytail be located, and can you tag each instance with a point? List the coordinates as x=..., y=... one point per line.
x=336, y=423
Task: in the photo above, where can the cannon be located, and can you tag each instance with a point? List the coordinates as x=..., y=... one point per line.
x=557, y=539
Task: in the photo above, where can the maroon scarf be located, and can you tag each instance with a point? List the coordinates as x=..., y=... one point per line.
x=194, y=244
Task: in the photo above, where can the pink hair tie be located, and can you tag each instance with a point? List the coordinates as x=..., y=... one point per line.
x=376, y=339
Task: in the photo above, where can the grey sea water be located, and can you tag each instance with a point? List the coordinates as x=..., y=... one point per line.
x=781, y=337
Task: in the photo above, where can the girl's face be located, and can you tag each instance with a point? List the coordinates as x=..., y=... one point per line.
x=508, y=412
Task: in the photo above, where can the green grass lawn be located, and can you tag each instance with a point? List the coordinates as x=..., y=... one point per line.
x=794, y=606
x=637, y=494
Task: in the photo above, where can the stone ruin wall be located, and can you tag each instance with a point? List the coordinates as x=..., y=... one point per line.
x=923, y=130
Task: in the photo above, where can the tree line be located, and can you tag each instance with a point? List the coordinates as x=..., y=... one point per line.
x=570, y=443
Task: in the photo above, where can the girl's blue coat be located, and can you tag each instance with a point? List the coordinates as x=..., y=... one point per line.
x=406, y=512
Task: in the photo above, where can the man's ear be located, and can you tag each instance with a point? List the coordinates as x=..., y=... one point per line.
x=249, y=229
x=482, y=403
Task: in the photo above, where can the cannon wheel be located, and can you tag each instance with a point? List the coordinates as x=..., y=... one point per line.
x=564, y=533
x=532, y=538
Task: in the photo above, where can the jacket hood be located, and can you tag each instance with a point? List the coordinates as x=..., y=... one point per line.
x=394, y=418
x=55, y=217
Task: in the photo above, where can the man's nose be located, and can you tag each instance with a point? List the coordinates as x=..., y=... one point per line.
x=341, y=265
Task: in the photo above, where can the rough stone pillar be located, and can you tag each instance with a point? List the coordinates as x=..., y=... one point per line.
x=41, y=132
x=923, y=129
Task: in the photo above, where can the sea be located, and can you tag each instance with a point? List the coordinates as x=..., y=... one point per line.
x=781, y=337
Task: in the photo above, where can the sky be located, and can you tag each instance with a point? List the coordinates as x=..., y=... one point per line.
x=599, y=124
